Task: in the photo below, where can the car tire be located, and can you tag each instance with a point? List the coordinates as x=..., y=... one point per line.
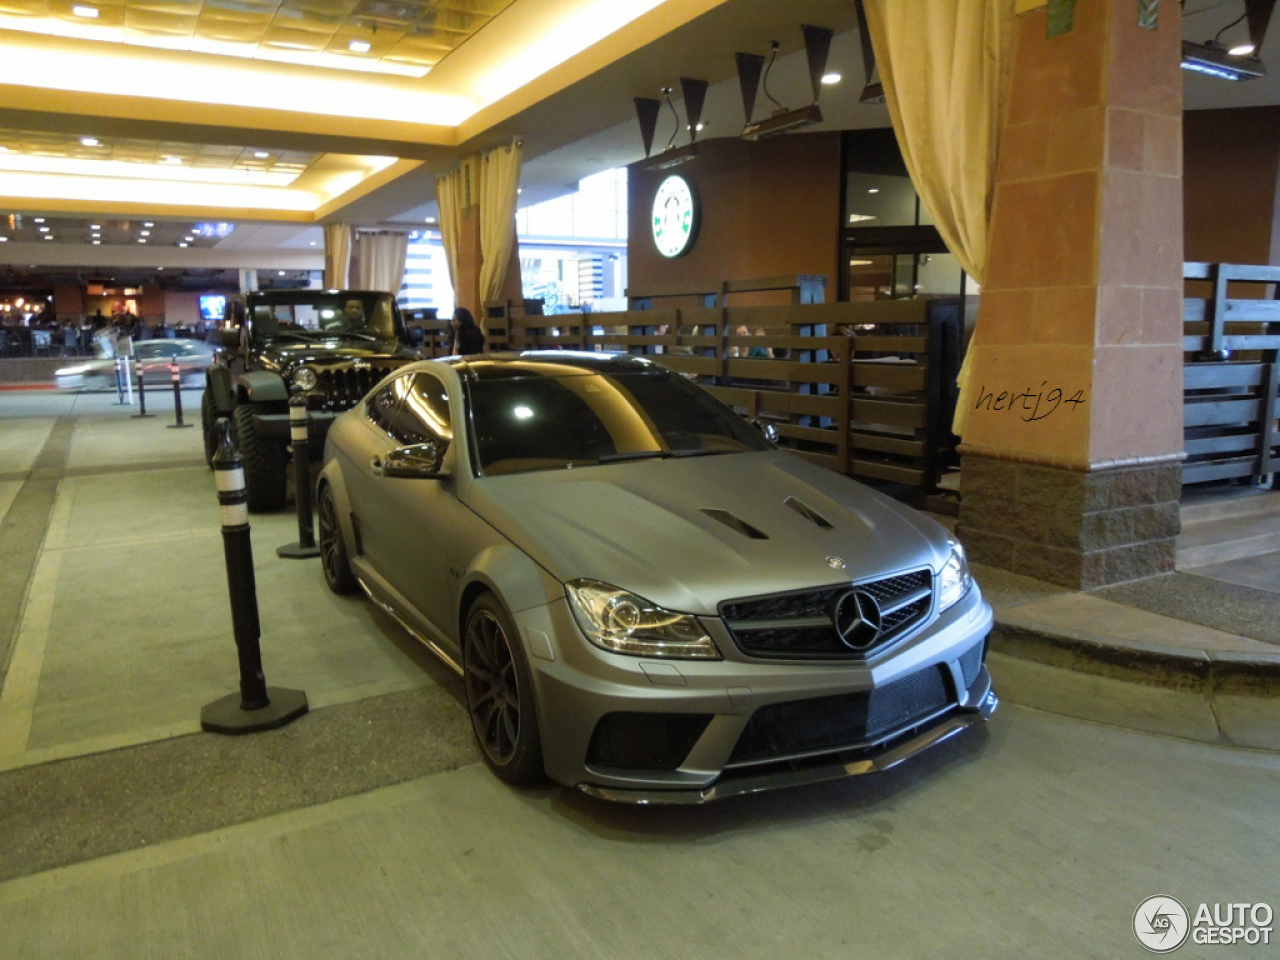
x=265, y=463
x=500, y=697
x=209, y=425
x=333, y=549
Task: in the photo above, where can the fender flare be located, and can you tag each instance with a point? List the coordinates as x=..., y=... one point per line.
x=261, y=386
x=218, y=382
x=332, y=476
x=510, y=573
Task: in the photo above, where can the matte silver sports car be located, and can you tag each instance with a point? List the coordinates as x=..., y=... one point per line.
x=645, y=598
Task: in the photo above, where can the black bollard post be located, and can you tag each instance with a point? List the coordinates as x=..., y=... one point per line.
x=119, y=381
x=142, y=390
x=306, y=547
x=257, y=706
x=176, y=376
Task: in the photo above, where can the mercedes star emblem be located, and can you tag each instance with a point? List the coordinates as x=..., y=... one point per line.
x=856, y=617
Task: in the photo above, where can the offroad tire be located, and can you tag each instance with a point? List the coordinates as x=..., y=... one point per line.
x=265, y=463
x=333, y=551
x=500, y=697
x=208, y=421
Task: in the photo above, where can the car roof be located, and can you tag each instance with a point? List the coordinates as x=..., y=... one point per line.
x=307, y=295
x=549, y=363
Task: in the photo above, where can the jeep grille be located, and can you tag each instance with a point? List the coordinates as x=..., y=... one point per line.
x=343, y=388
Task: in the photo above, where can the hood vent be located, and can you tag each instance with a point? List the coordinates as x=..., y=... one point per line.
x=808, y=513
x=736, y=523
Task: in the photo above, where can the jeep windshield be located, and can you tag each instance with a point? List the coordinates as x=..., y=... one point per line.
x=324, y=314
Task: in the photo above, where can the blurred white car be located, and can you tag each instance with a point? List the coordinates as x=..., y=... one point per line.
x=194, y=357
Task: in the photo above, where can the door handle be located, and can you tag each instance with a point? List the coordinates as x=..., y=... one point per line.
x=375, y=465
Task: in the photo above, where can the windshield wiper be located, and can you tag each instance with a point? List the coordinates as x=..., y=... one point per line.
x=701, y=453
x=634, y=455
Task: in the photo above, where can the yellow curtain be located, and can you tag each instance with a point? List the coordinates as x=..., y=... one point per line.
x=453, y=198
x=337, y=255
x=499, y=185
x=945, y=68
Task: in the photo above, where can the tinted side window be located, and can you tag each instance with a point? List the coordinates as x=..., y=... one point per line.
x=381, y=408
x=424, y=415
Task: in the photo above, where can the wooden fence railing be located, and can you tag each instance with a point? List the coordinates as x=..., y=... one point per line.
x=1231, y=373
x=876, y=404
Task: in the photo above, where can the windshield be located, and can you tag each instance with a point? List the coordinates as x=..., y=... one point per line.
x=326, y=314
x=552, y=422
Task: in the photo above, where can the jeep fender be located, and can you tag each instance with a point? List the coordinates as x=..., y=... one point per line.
x=261, y=386
x=218, y=382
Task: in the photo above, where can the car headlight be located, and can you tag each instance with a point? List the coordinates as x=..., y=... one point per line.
x=621, y=622
x=305, y=378
x=955, y=580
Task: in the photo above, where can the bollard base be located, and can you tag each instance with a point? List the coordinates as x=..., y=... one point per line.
x=296, y=551
x=140, y=416
x=180, y=426
x=225, y=716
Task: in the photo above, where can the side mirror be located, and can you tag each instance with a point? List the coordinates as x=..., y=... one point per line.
x=770, y=430
x=419, y=461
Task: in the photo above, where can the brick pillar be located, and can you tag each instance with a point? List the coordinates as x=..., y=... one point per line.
x=1083, y=301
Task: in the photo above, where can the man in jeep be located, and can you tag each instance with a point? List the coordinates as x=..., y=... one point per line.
x=332, y=344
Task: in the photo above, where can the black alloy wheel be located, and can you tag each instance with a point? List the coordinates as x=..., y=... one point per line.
x=500, y=697
x=333, y=552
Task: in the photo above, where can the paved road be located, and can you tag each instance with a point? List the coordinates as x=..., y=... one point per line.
x=1038, y=839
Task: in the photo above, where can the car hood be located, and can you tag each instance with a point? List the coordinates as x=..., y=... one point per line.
x=645, y=526
x=337, y=351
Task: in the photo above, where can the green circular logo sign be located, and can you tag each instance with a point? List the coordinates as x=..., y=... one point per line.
x=675, y=217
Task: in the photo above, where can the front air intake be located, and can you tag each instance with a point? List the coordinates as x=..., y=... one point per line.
x=736, y=523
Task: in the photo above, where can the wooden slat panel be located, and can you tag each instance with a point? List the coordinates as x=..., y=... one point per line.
x=821, y=459
x=884, y=471
x=692, y=288
x=1257, y=311
x=879, y=344
x=799, y=404
x=880, y=443
x=1202, y=472
x=752, y=317
x=701, y=316
x=702, y=366
x=891, y=376
x=1255, y=273
x=1252, y=343
x=1202, y=376
x=851, y=312
x=812, y=434
x=1230, y=444
x=884, y=411
x=1221, y=412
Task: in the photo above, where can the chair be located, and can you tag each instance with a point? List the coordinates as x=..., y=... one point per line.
x=41, y=343
x=70, y=341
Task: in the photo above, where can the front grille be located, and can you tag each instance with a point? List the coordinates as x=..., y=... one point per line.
x=845, y=721
x=798, y=626
x=343, y=388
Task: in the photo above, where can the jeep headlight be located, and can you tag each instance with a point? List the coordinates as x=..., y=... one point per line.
x=305, y=378
x=621, y=622
x=955, y=580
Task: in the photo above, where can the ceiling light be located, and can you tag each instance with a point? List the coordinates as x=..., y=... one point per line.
x=282, y=273
x=313, y=243
x=145, y=233
x=188, y=239
x=48, y=236
x=431, y=219
x=4, y=239
x=142, y=240
x=44, y=229
x=159, y=268
x=85, y=11
x=172, y=161
x=97, y=243
x=39, y=219
x=261, y=154
x=184, y=244
x=95, y=226
x=89, y=141
x=859, y=217
x=830, y=79
x=358, y=46
x=873, y=190
x=1242, y=50
x=148, y=224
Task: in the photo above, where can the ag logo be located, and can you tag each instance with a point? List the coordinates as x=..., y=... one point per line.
x=1161, y=924
x=856, y=617
x=675, y=217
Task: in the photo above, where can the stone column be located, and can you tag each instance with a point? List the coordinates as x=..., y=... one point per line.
x=1071, y=456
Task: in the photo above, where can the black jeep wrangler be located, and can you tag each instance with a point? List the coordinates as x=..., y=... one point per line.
x=334, y=344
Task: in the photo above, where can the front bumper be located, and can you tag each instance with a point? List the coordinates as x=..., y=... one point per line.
x=578, y=686
x=276, y=426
